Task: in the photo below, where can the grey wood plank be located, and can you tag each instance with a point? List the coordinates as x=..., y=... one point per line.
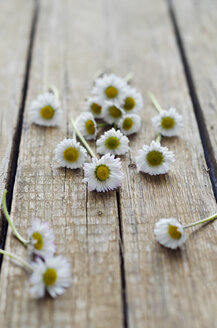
x=85, y=224
x=196, y=22
x=163, y=288
x=15, y=28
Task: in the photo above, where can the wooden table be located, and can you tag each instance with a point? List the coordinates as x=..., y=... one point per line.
x=121, y=276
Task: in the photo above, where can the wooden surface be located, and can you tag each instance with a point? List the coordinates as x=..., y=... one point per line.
x=197, y=21
x=121, y=276
x=15, y=27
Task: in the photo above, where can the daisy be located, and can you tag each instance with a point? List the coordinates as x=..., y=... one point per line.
x=94, y=106
x=52, y=275
x=154, y=159
x=45, y=110
x=132, y=102
x=112, y=112
x=113, y=142
x=168, y=123
x=87, y=125
x=110, y=87
x=41, y=238
x=129, y=124
x=170, y=233
x=103, y=174
x=70, y=154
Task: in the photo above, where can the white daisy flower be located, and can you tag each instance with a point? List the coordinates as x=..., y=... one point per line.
x=154, y=159
x=86, y=124
x=103, y=174
x=70, y=154
x=94, y=105
x=45, y=110
x=42, y=238
x=168, y=122
x=112, y=112
x=170, y=233
x=113, y=142
x=110, y=87
x=52, y=275
x=130, y=123
x=132, y=102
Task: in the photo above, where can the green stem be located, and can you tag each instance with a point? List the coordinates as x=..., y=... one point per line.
x=84, y=142
x=115, y=126
x=53, y=89
x=5, y=211
x=101, y=125
x=154, y=101
x=201, y=221
x=158, y=139
x=17, y=258
x=128, y=77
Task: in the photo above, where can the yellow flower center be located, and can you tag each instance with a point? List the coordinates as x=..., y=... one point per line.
x=115, y=112
x=111, y=92
x=39, y=240
x=154, y=158
x=95, y=108
x=71, y=154
x=167, y=122
x=47, y=112
x=129, y=103
x=174, y=232
x=112, y=142
x=127, y=123
x=102, y=172
x=50, y=277
x=90, y=127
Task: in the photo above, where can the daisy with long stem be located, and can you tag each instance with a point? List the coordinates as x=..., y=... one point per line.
x=51, y=274
x=102, y=174
x=154, y=159
x=40, y=237
x=171, y=233
x=167, y=122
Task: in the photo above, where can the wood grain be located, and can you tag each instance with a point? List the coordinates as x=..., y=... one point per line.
x=15, y=26
x=163, y=288
x=197, y=24
x=85, y=224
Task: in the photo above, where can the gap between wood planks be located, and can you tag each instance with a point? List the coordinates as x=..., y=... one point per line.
x=18, y=129
x=204, y=135
x=122, y=265
x=208, y=151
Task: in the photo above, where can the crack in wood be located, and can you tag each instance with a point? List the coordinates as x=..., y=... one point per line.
x=204, y=135
x=122, y=266
x=18, y=130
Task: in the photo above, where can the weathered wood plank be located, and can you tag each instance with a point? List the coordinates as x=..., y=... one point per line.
x=164, y=288
x=15, y=27
x=67, y=41
x=197, y=24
